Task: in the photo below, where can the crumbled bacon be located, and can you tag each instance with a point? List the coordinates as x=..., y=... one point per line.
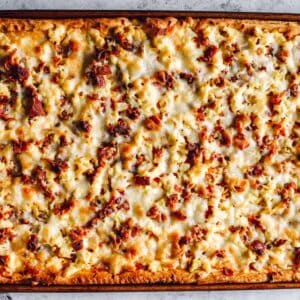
x=64, y=207
x=32, y=243
x=198, y=233
x=19, y=146
x=15, y=71
x=132, y=113
x=179, y=215
x=164, y=78
x=173, y=201
x=5, y=234
x=154, y=29
x=297, y=258
x=105, y=153
x=223, y=137
x=153, y=122
x=288, y=191
x=83, y=125
x=4, y=260
x=201, y=39
x=227, y=271
x=141, y=180
x=58, y=165
x=294, y=89
x=209, y=211
x=256, y=222
x=155, y=214
x=121, y=128
x=68, y=49
x=278, y=243
x=35, y=106
x=101, y=54
x=128, y=229
x=258, y=247
x=282, y=54
x=193, y=153
x=188, y=77
x=123, y=42
x=256, y=170
x=240, y=141
x=96, y=75
x=39, y=177
x=209, y=53
x=274, y=99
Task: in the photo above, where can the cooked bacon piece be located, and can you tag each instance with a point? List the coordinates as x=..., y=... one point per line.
x=201, y=39
x=294, y=89
x=184, y=240
x=141, y=180
x=165, y=79
x=227, y=271
x=179, y=215
x=198, y=233
x=282, y=54
x=19, y=146
x=123, y=42
x=200, y=114
x=155, y=214
x=173, y=201
x=256, y=222
x=256, y=170
x=209, y=211
x=32, y=243
x=132, y=113
x=121, y=128
x=4, y=260
x=127, y=230
x=278, y=243
x=193, y=153
x=223, y=136
x=188, y=77
x=58, y=165
x=240, y=141
x=76, y=236
x=153, y=122
x=67, y=50
x=154, y=29
x=105, y=153
x=288, y=191
x=274, y=99
x=96, y=75
x=39, y=177
x=101, y=54
x=82, y=125
x=208, y=54
x=35, y=106
x=258, y=247
x=5, y=234
x=63, y=208
x=297, y=258
x=15, y=71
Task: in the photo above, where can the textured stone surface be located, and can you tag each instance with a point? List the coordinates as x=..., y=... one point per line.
x=292, y=6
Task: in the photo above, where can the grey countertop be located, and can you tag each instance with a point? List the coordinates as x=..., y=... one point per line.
x=292, y=6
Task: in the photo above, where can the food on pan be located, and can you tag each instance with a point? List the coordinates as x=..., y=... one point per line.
x=148, y=151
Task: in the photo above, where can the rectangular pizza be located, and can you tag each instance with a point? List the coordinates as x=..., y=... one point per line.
x=155, y=150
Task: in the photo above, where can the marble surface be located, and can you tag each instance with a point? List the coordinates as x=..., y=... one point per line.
x=292, y=6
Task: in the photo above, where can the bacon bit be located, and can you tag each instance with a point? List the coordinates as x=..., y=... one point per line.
x=15, y=71
x=128, y=229
x=39, y=177
x=19, y=146
x=239, y=140
x=224, y=138
x=256, y=222
x=35, y=106
x=198, y=233
x=297, y=258
x=5, y=233
x=63, y=208
x=274, y=99
x=200, y=115
x=240, y=121
x=141, y=180
x=201, y=39
x=294, y=88
x=132, y=113
x=156, y=215
x=123, y=42
x=157, y=152
x=184, y=240
x=32, y=243
x=101, y=54
x=179, y=215
x=209, y=211
x=228, y=59
x=165, y=79
x=121, y=128
x=256, y=170
x=193, y=153
x=288, y=191
x=106, y=153
x=220, y=253
x=58, y=165
x=227, y=272
x=219, y=81
x=278, y=243
x=173, y=201
x=258, y=247
x=96, y=75
x=4, y=260
x=82, y=125
x=153, y=122
x=67, y=50
x=282, y=54
x=188, y=77
x=208, y=54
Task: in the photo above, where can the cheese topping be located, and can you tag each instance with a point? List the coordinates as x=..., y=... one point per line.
x=149, y=145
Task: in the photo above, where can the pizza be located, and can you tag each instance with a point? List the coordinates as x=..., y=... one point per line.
x=156, y=150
